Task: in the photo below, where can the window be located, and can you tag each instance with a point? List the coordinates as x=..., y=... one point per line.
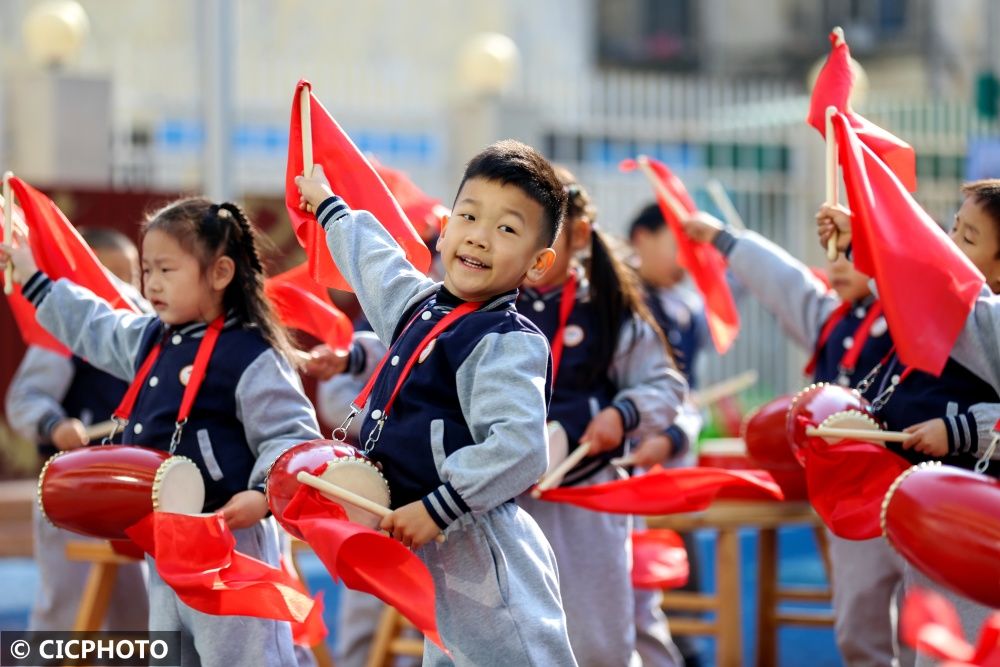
x=654, y=34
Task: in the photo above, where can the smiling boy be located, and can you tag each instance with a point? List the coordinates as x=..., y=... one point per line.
x=465, y=433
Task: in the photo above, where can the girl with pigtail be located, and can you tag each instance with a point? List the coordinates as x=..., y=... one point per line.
x=614, y=381
x=203, y=276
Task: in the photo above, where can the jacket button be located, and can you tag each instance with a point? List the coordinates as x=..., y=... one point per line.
x=137, y=429
x=539, y=306
x=153, y=381
x=394, y=361
x=376, y=414
x=176, y=340
x=426, y=315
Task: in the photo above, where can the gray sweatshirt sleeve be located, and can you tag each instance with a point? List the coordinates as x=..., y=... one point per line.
x=978, y=345
x=650, y=390
x=783, y=285
x=972, y=432
x=334, y=396
x=501, y=388
x=34, y=398
x=108, y=339
x=274, y=411
x=686, y=428
x=384, y=281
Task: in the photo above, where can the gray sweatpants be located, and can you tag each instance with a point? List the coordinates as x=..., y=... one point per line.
x=224, y=641
x=61, y=582
x=972, y=614
x=497, y=592
x=867, y=583
x=594, y=553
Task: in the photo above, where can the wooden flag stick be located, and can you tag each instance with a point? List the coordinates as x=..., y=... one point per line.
x=726, y=388
x=661, y=190
x=831, y=178
x=8, y=232
x=555, y=477
x=305, y=115
x=859, y=434
x=342, y=494
x=725, y=205
x=624, y=461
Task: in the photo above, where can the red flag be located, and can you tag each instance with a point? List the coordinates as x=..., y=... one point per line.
x=196, y=556
x=930, y=624
x=366, y=560
x=669, y=491
x=351, y=177
x=833, y=88
x=299, y=276
x=706, y=265
x=927, y=286
x=299, y=309
x=659, y=559
x=313, y=630
x=423, y=211
x=847, y=483
x=59, y=249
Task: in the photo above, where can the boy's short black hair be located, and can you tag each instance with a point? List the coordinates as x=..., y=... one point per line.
x=105, y=238
x=649, y=218
x=511, y=162
x=986, y=194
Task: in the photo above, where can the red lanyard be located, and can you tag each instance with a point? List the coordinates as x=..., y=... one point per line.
x=445, y=322
x=201, y=358
x=835, y=318
x=850, y=359
x=566, y=302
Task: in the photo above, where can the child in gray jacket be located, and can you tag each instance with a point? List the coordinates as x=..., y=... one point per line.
x=457, y=413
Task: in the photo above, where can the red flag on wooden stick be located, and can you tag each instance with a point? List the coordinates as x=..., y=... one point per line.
x=352, y=178
x=833, y=88
x=706, y=265
x=927, y=286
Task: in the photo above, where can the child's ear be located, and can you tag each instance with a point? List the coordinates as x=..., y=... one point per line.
x=222, y=273
x=543, y=262
x=444, y=223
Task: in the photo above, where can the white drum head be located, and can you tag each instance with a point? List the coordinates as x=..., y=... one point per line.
x=723, y=447
x=848, y=419
x=362, y=478
x=558, y=446
x=179, y=487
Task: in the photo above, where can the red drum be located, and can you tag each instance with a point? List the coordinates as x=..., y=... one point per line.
x=768, y=449
x=727, y=453
x=102, y=490
x=345, y=466
x=822, y=404
x=946, y=522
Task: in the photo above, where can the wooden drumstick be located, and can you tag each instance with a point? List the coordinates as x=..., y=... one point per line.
x=624, y=461
x=859, y=434
x=100, y=429
x=340, y=493
x=724, y=389
x=555, y=477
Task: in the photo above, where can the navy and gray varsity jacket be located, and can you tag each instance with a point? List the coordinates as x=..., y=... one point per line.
x=467, y=431
x=641, y=383
x=249, y=409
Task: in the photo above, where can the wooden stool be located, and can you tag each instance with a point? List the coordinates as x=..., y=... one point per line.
x=100, y=581
x=389, y=642
x=16, y=501
x=727, y=517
